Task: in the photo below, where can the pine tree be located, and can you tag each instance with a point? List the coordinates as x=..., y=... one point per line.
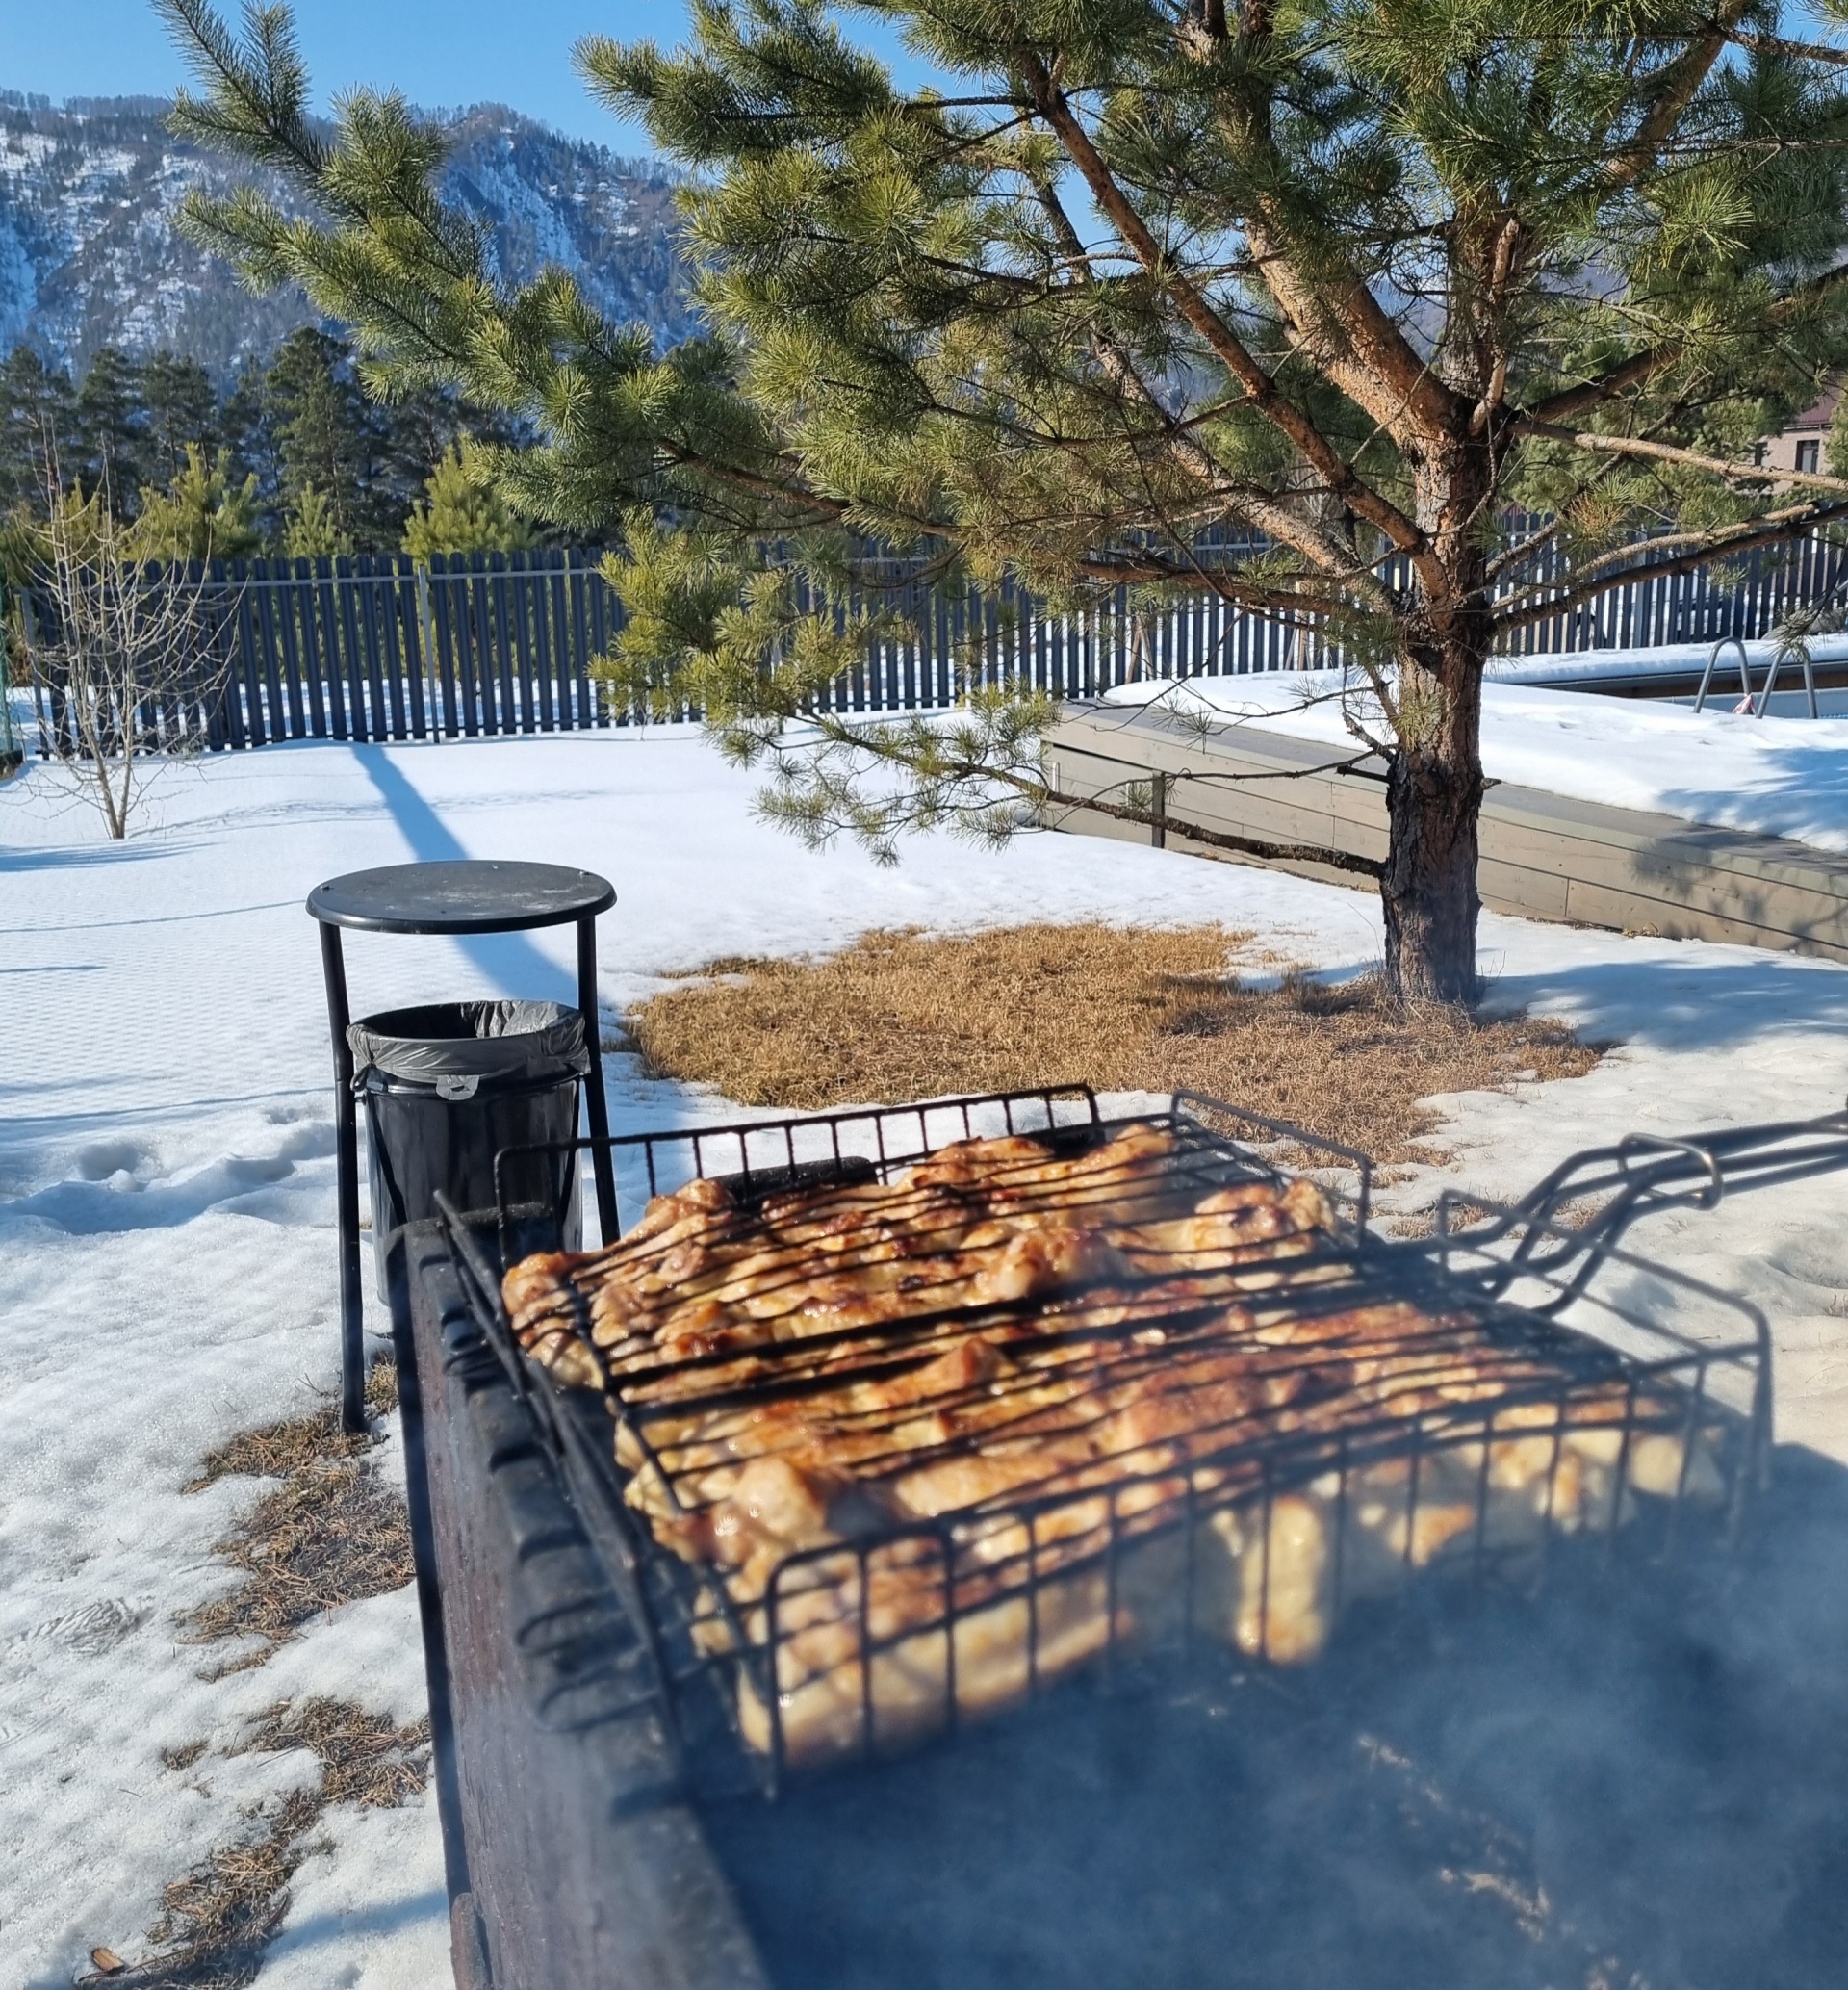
x=1333, y=287
x=419, y=429
x=180, y=409
x=37, y=424
x=326, y=435
x=246, y=422
x=201, y=515
x=309, y=530
x=111, y=429
x=462, y=511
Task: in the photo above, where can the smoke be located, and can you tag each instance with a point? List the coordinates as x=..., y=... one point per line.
x=1638, y=1781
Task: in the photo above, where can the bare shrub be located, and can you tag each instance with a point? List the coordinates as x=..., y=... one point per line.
x=121, y=655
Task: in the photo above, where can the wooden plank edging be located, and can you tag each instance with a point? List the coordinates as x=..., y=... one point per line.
x=1543, y=856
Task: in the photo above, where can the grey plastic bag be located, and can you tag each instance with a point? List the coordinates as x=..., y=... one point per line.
x=455, y=1047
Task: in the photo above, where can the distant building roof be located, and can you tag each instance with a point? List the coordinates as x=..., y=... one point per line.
x=1822, y=413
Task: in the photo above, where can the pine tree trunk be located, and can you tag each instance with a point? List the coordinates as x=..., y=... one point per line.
x=1433, y=796
x=1434, y=784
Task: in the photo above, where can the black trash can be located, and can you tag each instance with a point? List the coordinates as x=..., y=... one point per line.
x=448, y=1086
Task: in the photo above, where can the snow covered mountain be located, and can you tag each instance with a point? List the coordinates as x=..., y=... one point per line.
x=89, y=254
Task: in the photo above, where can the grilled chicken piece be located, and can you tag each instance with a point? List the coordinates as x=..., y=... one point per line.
x=982, y=1222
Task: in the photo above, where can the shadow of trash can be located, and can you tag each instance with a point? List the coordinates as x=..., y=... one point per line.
x=450, y=1085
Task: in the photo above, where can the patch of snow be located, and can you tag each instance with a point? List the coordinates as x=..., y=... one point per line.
x=1774, y=776
x=22, y=150
x=369, y=1913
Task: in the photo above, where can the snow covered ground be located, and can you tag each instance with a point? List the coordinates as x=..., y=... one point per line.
x=166, y=1209
x=1674, y=658
x=1773, y=776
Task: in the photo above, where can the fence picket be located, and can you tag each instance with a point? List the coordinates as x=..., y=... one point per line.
x=398, y=633
x=528, y=660
x=575, y=636
x=227, y=657
x=605, y=623
x=385, y=718
x=478, y=675
x=436, y=595
x=362, y=719
x=420, y=661
x=558, y=654
x=321, y=654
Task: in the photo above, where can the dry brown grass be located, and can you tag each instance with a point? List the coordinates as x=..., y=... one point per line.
x=364, y=1759
x=275, y=1450
x=902, y=1016
x=332, y=1533
x=329, y=1535
x=215, y=1923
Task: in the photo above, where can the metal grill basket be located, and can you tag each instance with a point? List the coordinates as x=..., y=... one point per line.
x=1599, y=1427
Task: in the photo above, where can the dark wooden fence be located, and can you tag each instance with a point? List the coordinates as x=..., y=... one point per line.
x=377, y=648
x=1746, y=598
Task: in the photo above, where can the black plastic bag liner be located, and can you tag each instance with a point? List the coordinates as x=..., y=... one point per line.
x=448, y=1087
x=513, y=1040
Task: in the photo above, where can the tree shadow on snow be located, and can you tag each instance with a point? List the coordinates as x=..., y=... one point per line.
x=510, y=960
x=1811, y=787
x=86, y=856
x=1693, y=1005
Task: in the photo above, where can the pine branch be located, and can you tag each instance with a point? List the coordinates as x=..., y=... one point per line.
x=1329, y=311
x=978, y=776
x=1673, y=89
x=1259, y=509
x=1640, y=367
x=1226, y=346
x=1300, y=596
x=1691, y=459
x=1795, y=51
x=1716, y=542
x=1529, y=549
x=256, y=93
x=1789, y=527
x=1635, y=371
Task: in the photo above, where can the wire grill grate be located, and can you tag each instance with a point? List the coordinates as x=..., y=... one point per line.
x=1579, y=1426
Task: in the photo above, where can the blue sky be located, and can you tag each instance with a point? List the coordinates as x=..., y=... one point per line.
x=437, y=51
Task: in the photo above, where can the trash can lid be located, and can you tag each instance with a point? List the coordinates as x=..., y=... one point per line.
x=466, y=897
x=471, y=1039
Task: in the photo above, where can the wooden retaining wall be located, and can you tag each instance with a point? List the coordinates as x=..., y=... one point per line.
x=1543, y=856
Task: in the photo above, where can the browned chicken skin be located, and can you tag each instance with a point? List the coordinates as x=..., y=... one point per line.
x=941, y=1392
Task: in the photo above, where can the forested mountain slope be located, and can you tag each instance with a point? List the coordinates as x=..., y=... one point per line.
x=89, y=254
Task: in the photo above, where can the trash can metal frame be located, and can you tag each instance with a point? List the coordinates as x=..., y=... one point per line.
x=453, y=898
